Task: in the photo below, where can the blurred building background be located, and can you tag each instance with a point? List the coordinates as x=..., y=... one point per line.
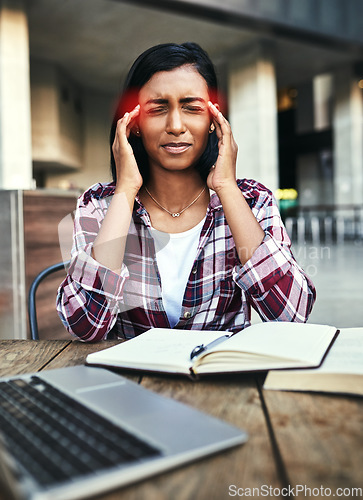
x=291, y=72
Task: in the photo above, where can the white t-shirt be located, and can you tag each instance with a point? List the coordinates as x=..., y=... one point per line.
x=175, y=254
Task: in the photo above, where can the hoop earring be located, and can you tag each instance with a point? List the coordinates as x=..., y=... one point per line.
x=211, y=128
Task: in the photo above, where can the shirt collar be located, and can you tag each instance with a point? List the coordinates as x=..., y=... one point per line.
x=249, y=194
x=214, y=202
x=141, y=211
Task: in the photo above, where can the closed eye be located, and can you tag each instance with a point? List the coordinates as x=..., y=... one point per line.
x=155, y=111
x=194, y=109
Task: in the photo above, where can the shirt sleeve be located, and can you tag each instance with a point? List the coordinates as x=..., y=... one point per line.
x=88, y=299
x=275, y=284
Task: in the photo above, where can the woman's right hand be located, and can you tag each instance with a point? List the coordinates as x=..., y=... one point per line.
x=127, y=170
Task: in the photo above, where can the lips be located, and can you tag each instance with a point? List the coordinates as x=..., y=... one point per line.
x=176, y=147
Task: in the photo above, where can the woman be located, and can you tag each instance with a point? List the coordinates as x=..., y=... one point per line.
x=175, y=240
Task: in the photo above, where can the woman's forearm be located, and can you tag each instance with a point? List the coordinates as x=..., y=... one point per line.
x=109, y=245
x=246, y=231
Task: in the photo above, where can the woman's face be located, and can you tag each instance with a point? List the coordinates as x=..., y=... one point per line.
x=174, y=119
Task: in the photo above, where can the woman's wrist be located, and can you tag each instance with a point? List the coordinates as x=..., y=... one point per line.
x=128, y=190
x=227, y=188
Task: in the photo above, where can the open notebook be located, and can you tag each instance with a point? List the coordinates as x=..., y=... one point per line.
x=341, y=371
x=76, y=432
x=264, y=346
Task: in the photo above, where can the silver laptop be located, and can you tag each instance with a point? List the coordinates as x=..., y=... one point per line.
x=75, y=432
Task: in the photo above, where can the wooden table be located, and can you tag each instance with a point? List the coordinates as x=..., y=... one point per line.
x=310, y=443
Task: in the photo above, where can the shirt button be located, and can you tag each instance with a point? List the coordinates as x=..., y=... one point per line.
x=194, y=270
x=187, y=315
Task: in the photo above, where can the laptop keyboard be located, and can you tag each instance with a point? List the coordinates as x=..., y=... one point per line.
x=55, y=438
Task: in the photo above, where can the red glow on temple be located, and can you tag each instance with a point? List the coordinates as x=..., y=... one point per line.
x=130, y=99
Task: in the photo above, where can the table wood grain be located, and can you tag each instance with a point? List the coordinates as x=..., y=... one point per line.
x=295, y=439
x=235, y=401
x=320, y=438
x=76, y=353
x=23, y=356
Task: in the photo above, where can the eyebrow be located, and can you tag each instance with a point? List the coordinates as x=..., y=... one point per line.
x=184, y=100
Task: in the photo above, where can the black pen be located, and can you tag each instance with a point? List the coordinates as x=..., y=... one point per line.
x=201, y=348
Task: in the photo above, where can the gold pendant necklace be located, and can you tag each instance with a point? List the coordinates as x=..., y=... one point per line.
x=174, y=214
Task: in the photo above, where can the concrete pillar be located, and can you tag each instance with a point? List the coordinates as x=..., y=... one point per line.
x=348, y=138
x=253, y=114
x=15, y=128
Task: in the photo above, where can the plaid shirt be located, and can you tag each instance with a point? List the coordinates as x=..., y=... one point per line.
x=95, y=303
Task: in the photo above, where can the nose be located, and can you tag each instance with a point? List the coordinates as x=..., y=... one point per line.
x=175, y=124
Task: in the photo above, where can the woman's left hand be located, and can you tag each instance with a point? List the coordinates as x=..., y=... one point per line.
x=223, y=173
